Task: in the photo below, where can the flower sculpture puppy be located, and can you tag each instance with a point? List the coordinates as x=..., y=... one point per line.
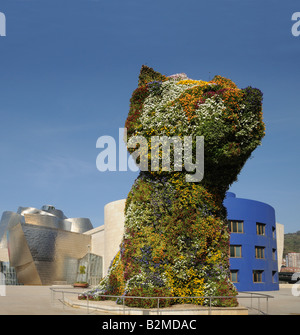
x=176, y=240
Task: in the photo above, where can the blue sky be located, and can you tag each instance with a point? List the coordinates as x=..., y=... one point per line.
x=68, y=69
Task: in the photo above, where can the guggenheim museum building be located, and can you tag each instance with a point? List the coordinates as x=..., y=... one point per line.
x=44, y=247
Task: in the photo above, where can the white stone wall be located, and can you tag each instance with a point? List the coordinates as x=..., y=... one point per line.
x=114, y=229
x=97, y=240
x=4, y=255
x=106, y=239
x=280, y=243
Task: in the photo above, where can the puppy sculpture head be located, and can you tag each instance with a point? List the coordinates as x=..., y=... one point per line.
x=229, y=119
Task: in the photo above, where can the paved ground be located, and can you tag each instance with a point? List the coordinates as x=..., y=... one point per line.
x=37, y=300
x=282, y=303
x=33, y=300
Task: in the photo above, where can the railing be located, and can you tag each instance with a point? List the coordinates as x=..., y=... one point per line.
x=253, y=296
x=247, y=297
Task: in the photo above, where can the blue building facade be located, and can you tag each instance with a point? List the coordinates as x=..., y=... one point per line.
x=253, y=253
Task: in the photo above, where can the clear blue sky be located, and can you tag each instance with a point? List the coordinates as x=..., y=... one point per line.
x=68, y=69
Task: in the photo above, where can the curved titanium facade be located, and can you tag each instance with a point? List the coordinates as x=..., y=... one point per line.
x=8, y=220
x=253, y=258
x=49, y=216
x=42, y=255
x=79, y=225
x=44, y=245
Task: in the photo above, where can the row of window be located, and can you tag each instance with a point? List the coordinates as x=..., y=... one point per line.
x=238, y=227
x=236, y=252
x=258, y=276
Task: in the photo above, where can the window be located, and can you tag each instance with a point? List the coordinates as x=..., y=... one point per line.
x=48, y=208
x=274, y=254
x=234, y=276
x=236, y=251
x=274, y=276
x=259, y=252
x=236, y=226
x=257, y=276
x=260, y=228
x=274, y=232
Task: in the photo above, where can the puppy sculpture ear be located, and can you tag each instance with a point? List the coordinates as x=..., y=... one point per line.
x=147, y=74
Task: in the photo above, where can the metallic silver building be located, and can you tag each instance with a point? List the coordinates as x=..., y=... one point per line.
x=44, y=246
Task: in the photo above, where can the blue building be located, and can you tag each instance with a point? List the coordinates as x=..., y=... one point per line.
x=253, y=248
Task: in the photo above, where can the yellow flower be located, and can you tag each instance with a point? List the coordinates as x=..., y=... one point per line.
x=193, y=286
x=192, y=82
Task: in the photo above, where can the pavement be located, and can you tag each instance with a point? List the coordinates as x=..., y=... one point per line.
x=281, y=302
x=38, y=300
x=34, y=300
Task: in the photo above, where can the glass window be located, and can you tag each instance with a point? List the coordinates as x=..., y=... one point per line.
x=257, y=276
x=9, y=276
x=234, y=276
x=274, y=254
x=259, y=252
x=236, y=251
x=260, y=228
x=236, y=226
x=232, y=251
x=274, y=276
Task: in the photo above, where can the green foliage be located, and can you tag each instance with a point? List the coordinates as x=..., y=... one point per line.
x=82, y=269
x=148, y=303
x=147, y=74
x=291, y=243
